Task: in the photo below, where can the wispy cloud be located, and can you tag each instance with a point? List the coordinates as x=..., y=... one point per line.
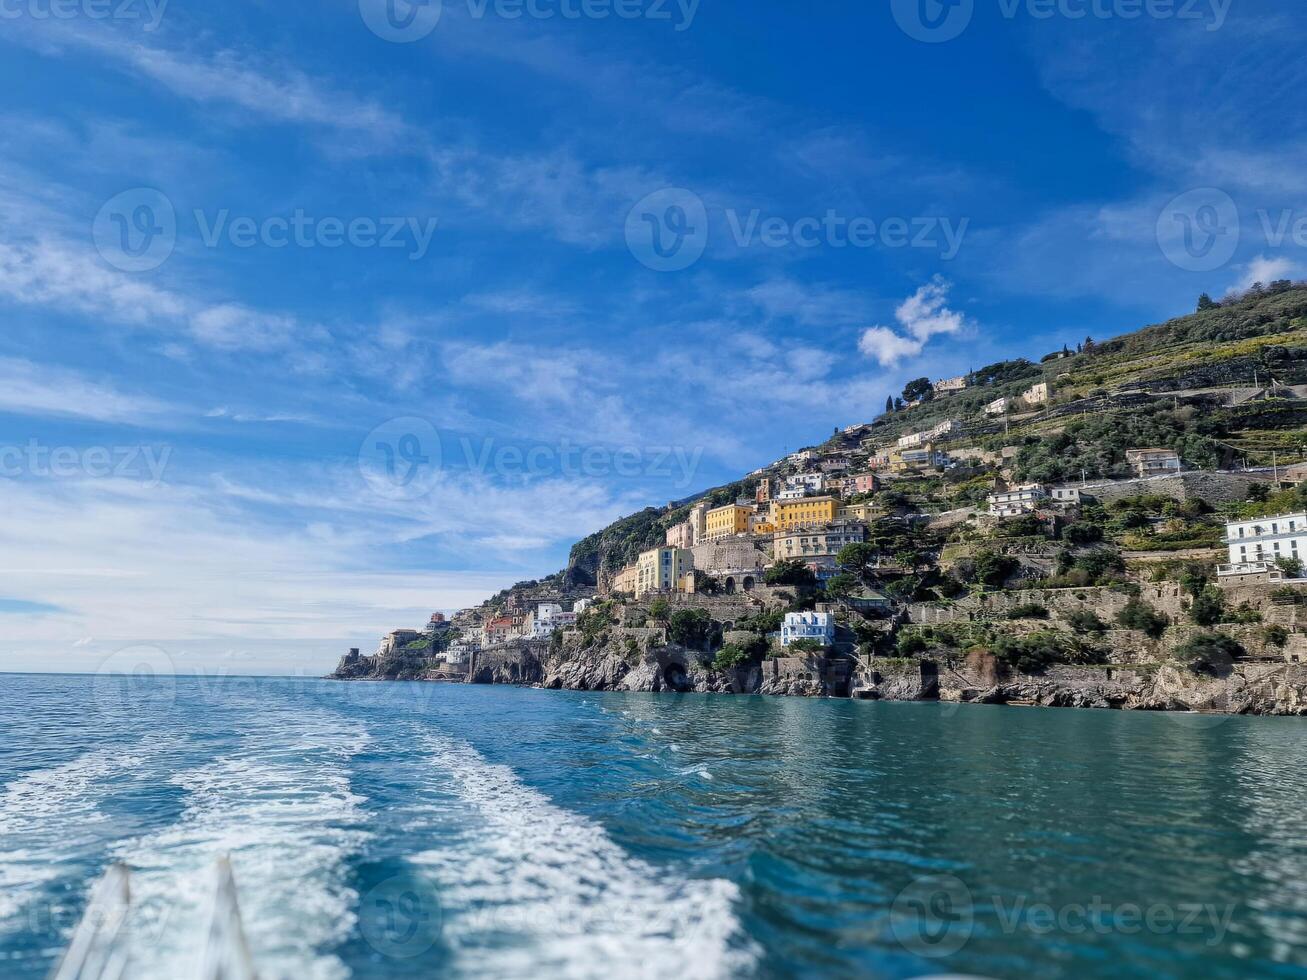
x=923, y=315
x=41, y=390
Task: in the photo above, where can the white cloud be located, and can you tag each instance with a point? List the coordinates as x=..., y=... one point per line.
x=921, y=316
x=40, y=390
x=886, y=346
x=1265, y=269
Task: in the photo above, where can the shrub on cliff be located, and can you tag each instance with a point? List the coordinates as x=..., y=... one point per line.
x=789, y=573
x=1209, y=653
x=1084, y=621
x=1028, y=610
x=1031, y=654
x=693, y=628
x=1208, y=606
x=1139, y=615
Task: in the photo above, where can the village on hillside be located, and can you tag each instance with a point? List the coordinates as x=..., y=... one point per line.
x=1000, y=522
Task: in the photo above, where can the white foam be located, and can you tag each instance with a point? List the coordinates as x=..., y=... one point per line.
x=288, y=821
x=45, y=812
x=535, y=890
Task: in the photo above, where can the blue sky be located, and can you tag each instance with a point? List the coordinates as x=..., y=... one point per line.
x=308, y=331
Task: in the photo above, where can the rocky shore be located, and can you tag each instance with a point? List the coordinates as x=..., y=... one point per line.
x=641, y=664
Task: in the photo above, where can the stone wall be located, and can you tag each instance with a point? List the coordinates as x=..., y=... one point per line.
x=1214, y=487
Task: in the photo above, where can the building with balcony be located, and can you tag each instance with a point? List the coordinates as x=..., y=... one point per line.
x=998, y=406
x=862, y=483
x=1153, y=462
x=811, y=482
x=819, y=626
x=662, y=569
x=1254, y=545
x=805, y=543
x=1015, y=501
x=624, y=580
x=806, y=512
x=723, y=522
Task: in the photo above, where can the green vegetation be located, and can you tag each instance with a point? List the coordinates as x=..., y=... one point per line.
x=1209, y=653
x=694, y=629
x=1139, y=615
x=1084, y=621
x=1028, y=610
x=791, y=572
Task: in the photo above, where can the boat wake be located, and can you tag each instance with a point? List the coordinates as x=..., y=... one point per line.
x=534, y=889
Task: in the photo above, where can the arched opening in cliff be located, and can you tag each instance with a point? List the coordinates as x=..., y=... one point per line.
x=730, y=585
x=675, y=678
x=749, y=583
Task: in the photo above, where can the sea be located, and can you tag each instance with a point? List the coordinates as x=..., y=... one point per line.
x=444, y=830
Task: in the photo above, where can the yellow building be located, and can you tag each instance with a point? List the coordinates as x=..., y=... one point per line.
x=722, y=522
x=662, y=569
x=625, y=580
x=857, y=512
x=804, y=511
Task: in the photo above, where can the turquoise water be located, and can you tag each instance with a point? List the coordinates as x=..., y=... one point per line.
x=411, y=830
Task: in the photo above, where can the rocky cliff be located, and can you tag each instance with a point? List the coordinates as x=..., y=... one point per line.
x=621, y=664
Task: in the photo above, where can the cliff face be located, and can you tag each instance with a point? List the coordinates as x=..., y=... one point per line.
x=1254, y=688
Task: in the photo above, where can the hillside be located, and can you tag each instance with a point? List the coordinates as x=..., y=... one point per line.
x=1189, y=384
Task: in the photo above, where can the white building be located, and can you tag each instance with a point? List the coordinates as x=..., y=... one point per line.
x=792, y=493
x=1153, y=462
x=813, y=482
x=998, y=406
x=1254, y=545
x=941, y=431
x=545, y=620
x=1066, y=495
x=460, y=650
x=948, y=385
x=1015, y=501
x=802, y=456
x=817, y=626
x=581, y=605
x=1036, y=394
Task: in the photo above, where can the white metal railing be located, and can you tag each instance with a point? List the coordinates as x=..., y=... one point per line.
x=101, y=949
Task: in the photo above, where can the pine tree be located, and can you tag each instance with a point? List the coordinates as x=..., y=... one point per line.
x=889, y=404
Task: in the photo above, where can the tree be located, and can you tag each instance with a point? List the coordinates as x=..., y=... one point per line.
x=916, y=389
x=692, y=628
x=1208, y=607
x=857, y=557
x=1206, y=302
x=841, y=586
x=1139, y=615
x=991, y=568
x=1291, y=567
x=1209, y=653
x=659, y=610
x=889, y=404
x=898, y=404
x=791, y=572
